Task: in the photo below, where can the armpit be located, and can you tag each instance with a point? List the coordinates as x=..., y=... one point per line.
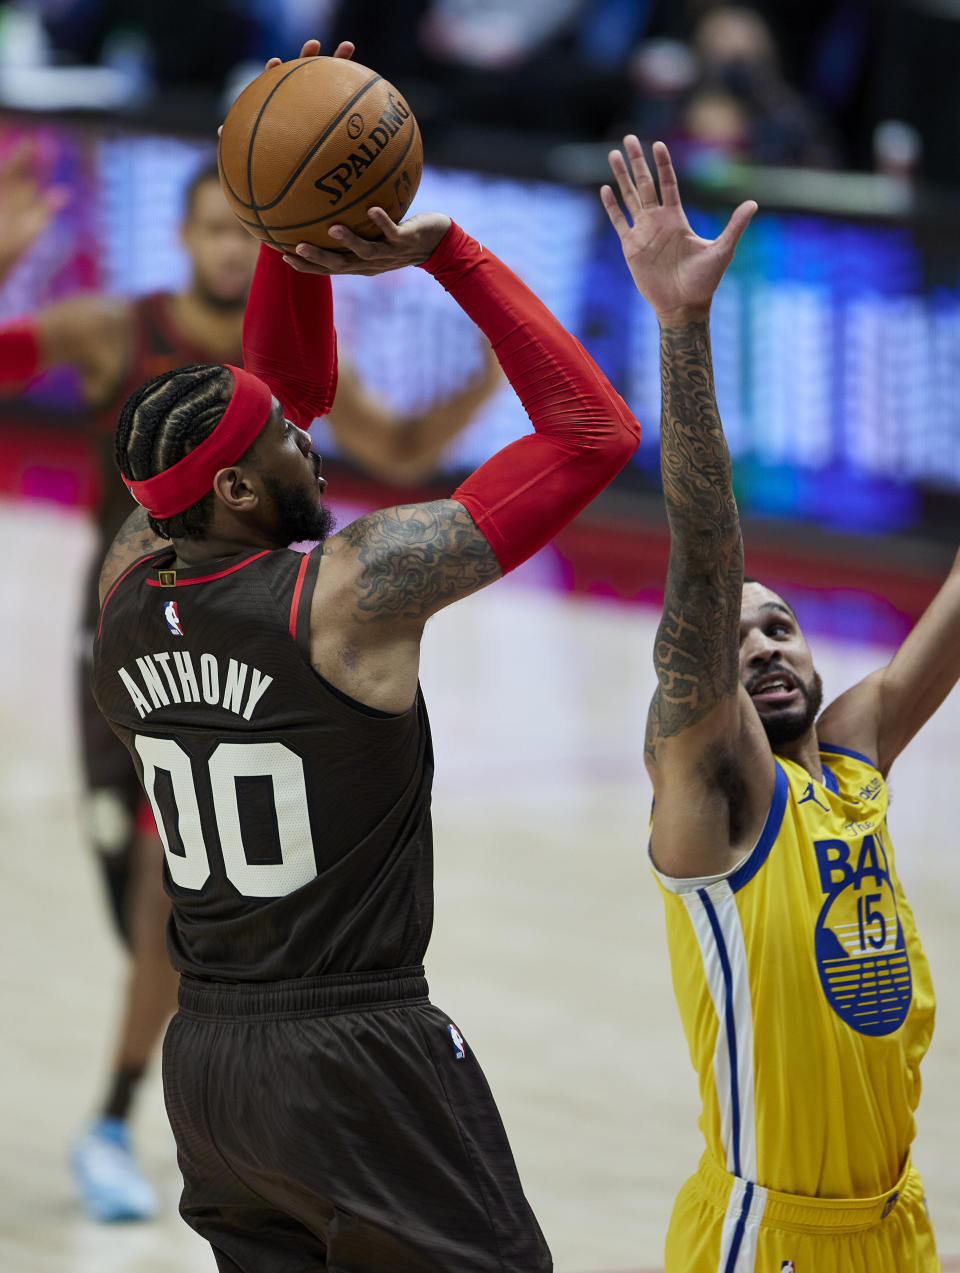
x=723, y=772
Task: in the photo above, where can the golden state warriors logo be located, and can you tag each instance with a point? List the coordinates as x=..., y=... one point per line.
x=859, y=943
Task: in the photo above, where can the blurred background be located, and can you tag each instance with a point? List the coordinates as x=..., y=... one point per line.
x=836, y=340
x=836, y=333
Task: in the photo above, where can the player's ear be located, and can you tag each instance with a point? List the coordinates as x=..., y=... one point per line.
x=235, y=490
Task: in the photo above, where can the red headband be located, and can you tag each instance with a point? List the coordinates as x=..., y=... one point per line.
x=181, y=485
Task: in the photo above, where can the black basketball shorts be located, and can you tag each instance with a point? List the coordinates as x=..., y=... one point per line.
x=341, y=1124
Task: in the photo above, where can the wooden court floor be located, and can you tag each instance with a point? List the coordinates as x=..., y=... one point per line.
x=548, y=949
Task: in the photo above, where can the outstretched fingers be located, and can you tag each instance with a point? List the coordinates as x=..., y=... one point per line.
x=311, y=48
x=739, y=220
x=629, y=193
x=669, y=190
x=640, y=169
x=613, y=210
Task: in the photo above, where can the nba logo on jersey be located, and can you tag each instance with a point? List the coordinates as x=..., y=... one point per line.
x=787, y=1267
x=459, y=1047
x=172, y=618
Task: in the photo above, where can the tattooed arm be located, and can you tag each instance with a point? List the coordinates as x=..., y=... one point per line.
x=381, y=578
x=705, y=750
x=695, y=654
x=417, y=558
x=134, y=539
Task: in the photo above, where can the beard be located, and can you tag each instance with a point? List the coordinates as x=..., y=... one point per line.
x=792, y=723
x=299, y=517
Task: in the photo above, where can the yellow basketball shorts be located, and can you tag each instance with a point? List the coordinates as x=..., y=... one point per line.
x=723, y=1224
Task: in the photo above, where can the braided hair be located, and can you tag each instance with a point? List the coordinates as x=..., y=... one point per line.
x=161, y=422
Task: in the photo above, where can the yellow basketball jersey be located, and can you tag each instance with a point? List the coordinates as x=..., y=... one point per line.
x=804, y=991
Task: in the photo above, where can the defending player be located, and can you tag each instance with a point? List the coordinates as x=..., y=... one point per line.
x=115, y=344
x=804, y=992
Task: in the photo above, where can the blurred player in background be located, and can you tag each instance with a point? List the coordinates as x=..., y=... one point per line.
x=804, y=991
x=26, y=207
x=115, y=344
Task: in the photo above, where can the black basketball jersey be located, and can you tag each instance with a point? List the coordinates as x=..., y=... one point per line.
x=295, y=821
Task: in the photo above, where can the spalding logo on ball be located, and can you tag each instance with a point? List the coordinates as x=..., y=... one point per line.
x=314, y=143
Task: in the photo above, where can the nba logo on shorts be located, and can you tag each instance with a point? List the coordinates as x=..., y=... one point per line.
x=787, y=1267
x=172, y=618
x=459, y=1047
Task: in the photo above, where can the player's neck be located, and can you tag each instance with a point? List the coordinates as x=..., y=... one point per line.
x=216, y=328
x=202, y=552
x=804, y=752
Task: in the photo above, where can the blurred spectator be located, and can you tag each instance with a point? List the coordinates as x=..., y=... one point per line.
x=522, y=65
x=180, y=42
x=493, y=34
x=663, y=73
x=740, y=65
x=785, y=79
x=723, y=96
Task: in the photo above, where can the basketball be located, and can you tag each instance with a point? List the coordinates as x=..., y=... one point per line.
x=316, y=142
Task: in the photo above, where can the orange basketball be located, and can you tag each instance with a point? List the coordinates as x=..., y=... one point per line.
x=314, y=143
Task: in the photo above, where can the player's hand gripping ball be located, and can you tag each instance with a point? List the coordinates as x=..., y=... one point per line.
x=313, y=143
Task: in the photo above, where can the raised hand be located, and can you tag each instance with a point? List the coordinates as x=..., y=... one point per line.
x=673, y=268
x=25, y=209
x=312, y=47
x=407, y=244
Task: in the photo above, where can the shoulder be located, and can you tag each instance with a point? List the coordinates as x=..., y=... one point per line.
x=134, y=541
x=851, y=723
x=404, y=563
x=851, y=774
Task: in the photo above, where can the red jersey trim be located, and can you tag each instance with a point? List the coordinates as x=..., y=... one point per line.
x=298, y=588
x=106, y=600
x=185, y=583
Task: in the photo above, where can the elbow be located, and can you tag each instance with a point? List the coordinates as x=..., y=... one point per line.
x=622, y=444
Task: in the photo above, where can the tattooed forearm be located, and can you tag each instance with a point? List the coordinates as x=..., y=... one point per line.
x=694, y=460
x=696, y=649
x=417, y=558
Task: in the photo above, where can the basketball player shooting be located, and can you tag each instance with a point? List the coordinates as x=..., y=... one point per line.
x=326, y=1113
x=804, y=992
x=115, y=343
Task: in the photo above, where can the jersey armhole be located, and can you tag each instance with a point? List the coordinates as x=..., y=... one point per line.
x=301, y=602
x=833, y=749
x=690, y=884
x=744, y=870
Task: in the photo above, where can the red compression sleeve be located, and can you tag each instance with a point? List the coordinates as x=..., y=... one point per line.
x=19, y=354
x=585, y=432
x=289, y=339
